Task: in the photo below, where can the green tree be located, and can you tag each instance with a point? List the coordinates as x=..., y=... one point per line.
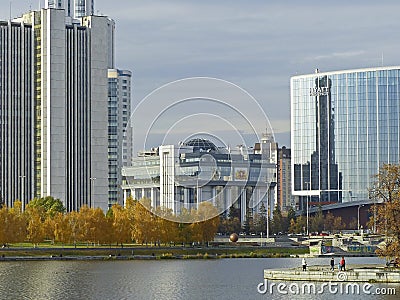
x=49, y=205
x=185, y=230
x=277, y=220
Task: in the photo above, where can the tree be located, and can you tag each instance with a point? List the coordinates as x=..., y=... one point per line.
x=233, y=212
x=63, y=228
x=328, y=222
x=259, y=223
x=338, y=224
x=166, y=229
x=36, y=233
x=50, y=206
x=185, y=230
x=317, y=221
x=277, y=220
x=17, y=223
x=291, y=214
x=353, y=224
x=387, y=190
x=299, y=225
x=120, y=224
x=143, y=226
x=207, y=221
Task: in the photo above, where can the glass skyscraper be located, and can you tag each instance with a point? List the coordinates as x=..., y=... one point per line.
x=345, y=125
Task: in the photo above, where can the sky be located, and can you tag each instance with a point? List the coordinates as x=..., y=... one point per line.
x=255, y=45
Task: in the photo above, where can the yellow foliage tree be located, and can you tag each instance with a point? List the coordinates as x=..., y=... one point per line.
x=143, y=226
x=121, y=225
x=36, y=232
x=387, y=190
x=206, y=222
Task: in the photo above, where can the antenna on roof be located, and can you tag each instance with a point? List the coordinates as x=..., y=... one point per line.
x=10, y=8
x=382, y=58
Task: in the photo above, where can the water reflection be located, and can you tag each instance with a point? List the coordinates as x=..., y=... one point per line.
x=174, y=279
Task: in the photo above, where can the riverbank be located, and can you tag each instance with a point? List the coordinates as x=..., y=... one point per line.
x=142, y=253
x=353, y=273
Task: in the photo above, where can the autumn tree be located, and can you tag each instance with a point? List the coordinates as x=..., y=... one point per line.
x=121, y=228
x=338, y=224
x=185, y=230
x=387, y=217
x=299, y=225
x=166, y=230
x=143, y=226
x=100, y=228
x=17, y=225
x=206, y=222
x=352, y=224
x=328, y=222
x=4, y=225
x=317, y=221
x=74, y=227
x=35, y=229
x=62, y=228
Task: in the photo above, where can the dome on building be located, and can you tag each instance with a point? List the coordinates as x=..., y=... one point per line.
x=201, y=145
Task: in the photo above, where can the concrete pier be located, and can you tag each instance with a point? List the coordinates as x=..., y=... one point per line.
x=361, y=273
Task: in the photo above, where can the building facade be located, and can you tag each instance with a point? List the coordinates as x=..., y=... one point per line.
x=73, y=8
x=53, y=78
x=119, y=130
x=285, y=200
x=268, y=149
x=183, y=176
x=345, y=125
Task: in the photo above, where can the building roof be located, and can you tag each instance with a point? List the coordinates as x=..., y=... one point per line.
x=201, y=145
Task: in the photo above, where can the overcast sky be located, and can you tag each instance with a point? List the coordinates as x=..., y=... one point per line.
x=257, y=45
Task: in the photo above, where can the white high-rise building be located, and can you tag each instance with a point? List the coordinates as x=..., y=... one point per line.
x=73, y=8
x=119, y=131
x=53, y=109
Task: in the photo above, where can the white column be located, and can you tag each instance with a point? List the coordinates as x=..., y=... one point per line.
x=199, y=198
x=243, y=209
x=152, y=196
x=125, y=197
x=214, y=195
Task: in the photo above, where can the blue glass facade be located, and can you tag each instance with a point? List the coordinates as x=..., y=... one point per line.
x=345, y=125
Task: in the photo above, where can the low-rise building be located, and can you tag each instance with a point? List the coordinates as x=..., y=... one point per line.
x=183, y=176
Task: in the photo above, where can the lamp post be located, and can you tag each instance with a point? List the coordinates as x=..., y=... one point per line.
x=92, y=179
x=268, y=191
x=358, y=216
x=307, y=202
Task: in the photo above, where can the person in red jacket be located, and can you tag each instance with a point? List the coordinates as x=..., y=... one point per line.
x=342, y=264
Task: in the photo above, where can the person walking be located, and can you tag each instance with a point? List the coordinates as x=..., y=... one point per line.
x=342, y=264
x=332, y=264
x=304, y=264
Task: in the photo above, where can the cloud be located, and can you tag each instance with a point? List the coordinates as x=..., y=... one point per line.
x=338, y=55
x=256, y=44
